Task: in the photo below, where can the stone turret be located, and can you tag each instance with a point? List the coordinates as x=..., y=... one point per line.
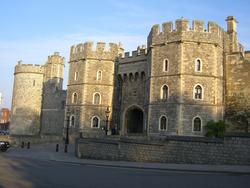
x=54, y=69
x=102, y=51
x=232, y=32
x=181, y=30
x=27, y=99
x=91, y=73
x=54, y=96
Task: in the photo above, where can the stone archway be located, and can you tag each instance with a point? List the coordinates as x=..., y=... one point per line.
x=134, y=120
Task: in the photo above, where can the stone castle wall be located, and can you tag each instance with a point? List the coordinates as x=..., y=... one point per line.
x=187, y=150
x=27, y=99
x=132, y=86
x=38, y=99
x=182, y=46
x=134, y=82
x=54, y=97
x=85, y=62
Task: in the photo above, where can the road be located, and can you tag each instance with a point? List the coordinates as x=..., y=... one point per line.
x=16, y=172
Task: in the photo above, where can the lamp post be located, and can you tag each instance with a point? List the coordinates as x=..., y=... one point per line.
x=67, y=134
x=107, y=112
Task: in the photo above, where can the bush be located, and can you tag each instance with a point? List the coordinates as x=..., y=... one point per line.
x=216, y=129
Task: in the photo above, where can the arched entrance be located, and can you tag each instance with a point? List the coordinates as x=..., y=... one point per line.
x=134, y=120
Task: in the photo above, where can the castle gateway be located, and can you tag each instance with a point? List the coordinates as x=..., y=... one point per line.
x=174, y=86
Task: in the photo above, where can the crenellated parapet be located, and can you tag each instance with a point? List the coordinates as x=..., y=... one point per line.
x=102, y=51
x=28, y=68
x=55, y=58
x=138, y=55
x=182, y=31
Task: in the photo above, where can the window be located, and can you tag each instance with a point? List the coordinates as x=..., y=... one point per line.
x=163, y=122
x=198, y=92
x=164, y=92
x=165, y=65
x=99, y=75
x=95, y=122
x=197, y=124
x=97, y=98
x=76, y=76
x=34, y=83
x=72, y=121
x=198, y=65
x=74, y=98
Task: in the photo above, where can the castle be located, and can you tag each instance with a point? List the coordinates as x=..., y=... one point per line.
x=174, y=86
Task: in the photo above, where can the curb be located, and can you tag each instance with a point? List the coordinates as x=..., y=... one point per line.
x=154, y=168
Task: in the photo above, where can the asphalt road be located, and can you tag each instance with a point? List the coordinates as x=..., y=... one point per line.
x=25, y=173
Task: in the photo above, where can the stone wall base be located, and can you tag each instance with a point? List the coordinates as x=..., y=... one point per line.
x=173, y=149
x=16, y=140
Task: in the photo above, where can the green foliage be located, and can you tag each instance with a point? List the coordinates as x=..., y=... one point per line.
x=216, y=129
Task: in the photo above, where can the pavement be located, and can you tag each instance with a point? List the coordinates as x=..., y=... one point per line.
x=48, y=152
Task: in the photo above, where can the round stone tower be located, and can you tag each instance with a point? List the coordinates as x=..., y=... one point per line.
x=27, y=99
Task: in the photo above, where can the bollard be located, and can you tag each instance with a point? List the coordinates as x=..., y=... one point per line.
x=57, y=147
x=22, y=145
x=66, y=148
x=28, y=145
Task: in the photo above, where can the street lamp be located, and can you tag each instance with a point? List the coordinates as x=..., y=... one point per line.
x=107, y=112
x=67, y=130
x=67, y=134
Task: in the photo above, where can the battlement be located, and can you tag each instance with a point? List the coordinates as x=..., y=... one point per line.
x=55, y=58
x=28, y=68
x=138, y=55
x=182, y=25
x=101, y=51
x=182, y=29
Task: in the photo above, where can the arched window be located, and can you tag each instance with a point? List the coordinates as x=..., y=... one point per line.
x=165, y=65
x=72, y=121
x=163, y=123
x=95, y=122
x=131, y=77
x=198, y=65
x=74, y=98
x=136, y=76
x=99, y=75
x=198, y=92
x=197, y=124
x=96, y=98
x=143, y=75
x=164, y=92
x=76, y=76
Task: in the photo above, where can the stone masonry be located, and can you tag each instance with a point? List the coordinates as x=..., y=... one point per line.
x=182, y=79
x=204, y=65
x=38, y=99
x=233, y=150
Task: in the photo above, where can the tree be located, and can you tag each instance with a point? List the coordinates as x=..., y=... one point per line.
x=216, y=129
x=238, y=111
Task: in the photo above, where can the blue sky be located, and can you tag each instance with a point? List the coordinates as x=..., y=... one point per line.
x=32, y=30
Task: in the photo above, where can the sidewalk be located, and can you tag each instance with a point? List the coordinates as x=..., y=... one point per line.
x=48, y=152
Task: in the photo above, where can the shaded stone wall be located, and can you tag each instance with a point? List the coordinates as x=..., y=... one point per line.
x=191, y=150
x=131, y=90
x=54, y=97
